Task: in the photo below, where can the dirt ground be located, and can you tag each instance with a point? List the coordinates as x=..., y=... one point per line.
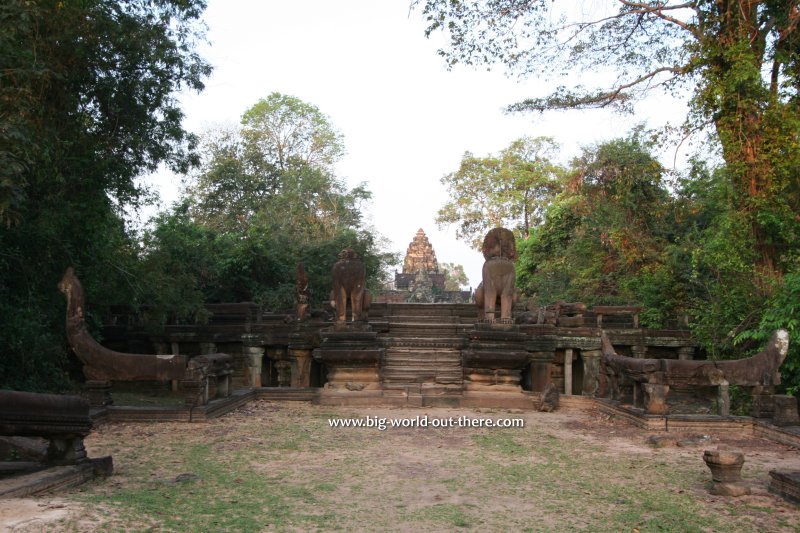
x=577, y=463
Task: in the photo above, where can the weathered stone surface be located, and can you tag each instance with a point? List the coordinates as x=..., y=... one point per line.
x=499, y=277
x=550, y=398
x=420, y=256
x=661, y=441
x=785, y=410
x=761, y=370
x=726, y=466
x=733, y=490
x=99, y=362
x=786, y=483
x=349, y=279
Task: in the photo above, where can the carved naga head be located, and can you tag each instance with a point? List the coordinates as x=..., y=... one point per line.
x=72, y=289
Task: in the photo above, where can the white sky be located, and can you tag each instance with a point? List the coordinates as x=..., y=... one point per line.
x=406, y=120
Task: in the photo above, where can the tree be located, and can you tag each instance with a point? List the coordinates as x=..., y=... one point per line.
x=454, y=276
x=87, y=91
x=605, y=235
x=279, y=161
x=739, y=59
x=284, y=130
x=510, y=190
x=262, y=199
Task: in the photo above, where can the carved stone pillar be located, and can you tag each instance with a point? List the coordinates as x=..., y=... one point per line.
x=568, y=371
x=723, y=399
x=639, y=351
x=591, y=370
x=541, y=363
x=284, y=373
x=253, y=357
x=686, y=353
x=300, y=359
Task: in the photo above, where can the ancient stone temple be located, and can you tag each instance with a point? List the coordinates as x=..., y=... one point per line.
x=420, y=258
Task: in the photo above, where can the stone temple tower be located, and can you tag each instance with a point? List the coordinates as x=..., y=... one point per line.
x=420, y=266
x=420, y=256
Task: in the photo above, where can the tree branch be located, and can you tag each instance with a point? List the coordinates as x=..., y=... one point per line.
x=597, y=100
x=658, y=10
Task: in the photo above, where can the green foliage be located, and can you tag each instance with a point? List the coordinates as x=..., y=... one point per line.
x=263, y=199
x=738, y=63
x=604, y=235
x=87, y=94
x=782, y=312
x=454, y=276
x=509, y=190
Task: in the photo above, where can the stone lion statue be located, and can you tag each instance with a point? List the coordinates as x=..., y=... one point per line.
x=349, y=279
x=499, y=278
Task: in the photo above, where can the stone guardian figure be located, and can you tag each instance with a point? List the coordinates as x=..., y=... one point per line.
x=499, y=277
x=349, y=279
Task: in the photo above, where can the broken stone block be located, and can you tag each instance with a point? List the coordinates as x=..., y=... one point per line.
x=785, y=410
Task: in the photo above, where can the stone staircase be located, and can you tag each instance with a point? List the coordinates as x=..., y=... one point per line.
x=422, y=362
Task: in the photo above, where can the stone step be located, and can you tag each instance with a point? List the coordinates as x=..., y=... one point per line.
x=420, y=329
x=461, y=310
x=424, y=343
x=423, y=319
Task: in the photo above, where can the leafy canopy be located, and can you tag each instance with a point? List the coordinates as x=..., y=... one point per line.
x=87, y=104
x=511, y=189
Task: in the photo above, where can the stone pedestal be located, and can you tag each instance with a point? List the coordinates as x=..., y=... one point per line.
x=253, y=358
x=99, y=393
x=761, y=406
x=726, y=472
x=655, y=398
x=493, y=362
x=494, y=358
x=352, y=357
x=591, y=370
x=785, y=410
